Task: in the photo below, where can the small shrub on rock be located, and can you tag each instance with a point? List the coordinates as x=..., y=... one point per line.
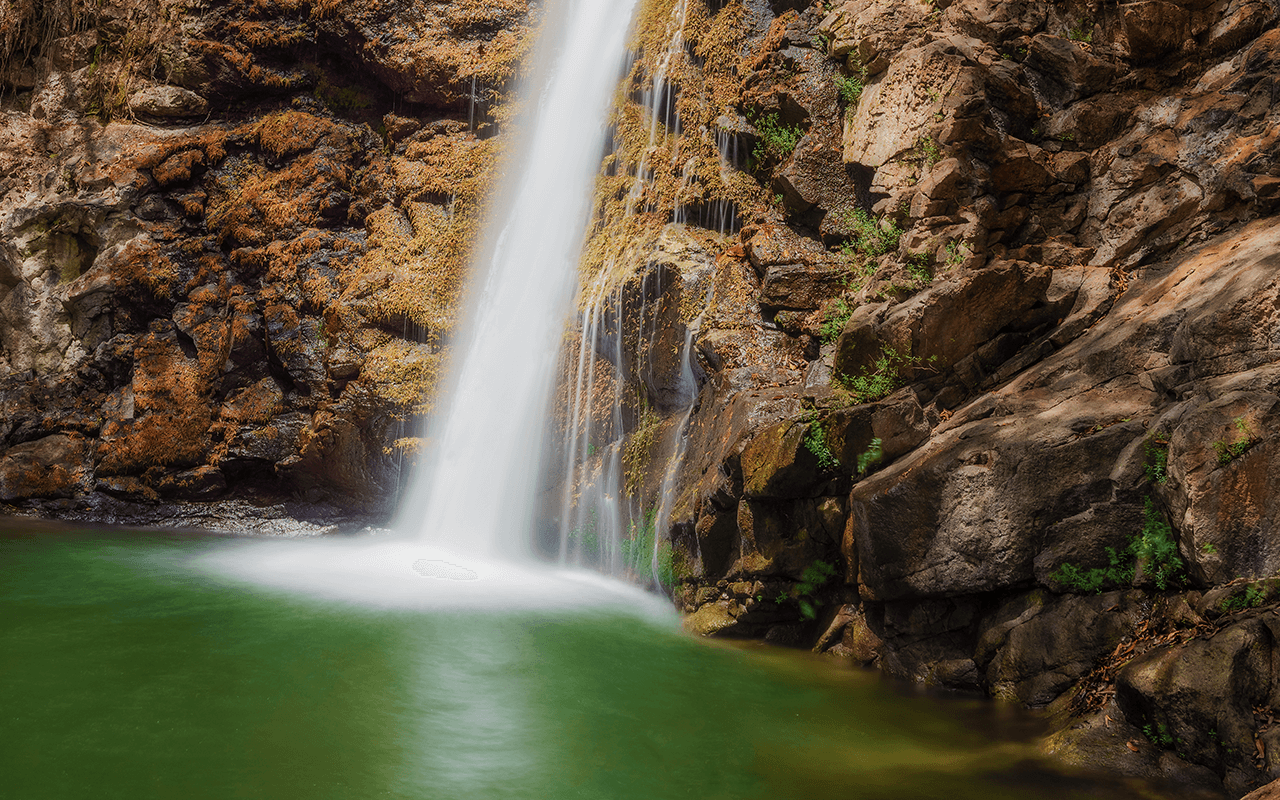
x=869, y=237
x=833, y=320
x=1154, y=548
x=1230, y=451
x=777, y=140
x=815, y=441
x=883, y=377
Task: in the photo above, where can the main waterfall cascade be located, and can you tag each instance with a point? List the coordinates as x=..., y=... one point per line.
x=589, y=479
x=471, y=508
x=476, y=495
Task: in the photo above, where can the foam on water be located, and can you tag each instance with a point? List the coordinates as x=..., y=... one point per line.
x=394, y=573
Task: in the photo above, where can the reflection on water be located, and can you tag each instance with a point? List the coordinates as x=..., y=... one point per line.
x=131, y=670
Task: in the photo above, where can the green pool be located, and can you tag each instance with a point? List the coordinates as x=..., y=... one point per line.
x=131, y=670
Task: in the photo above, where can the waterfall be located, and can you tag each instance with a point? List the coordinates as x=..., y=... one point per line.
x=476, y=493
x=472, y=505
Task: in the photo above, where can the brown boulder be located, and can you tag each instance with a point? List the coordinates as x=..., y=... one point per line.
x=1198, y=698
x=800, y=286
x=168, y=102
x=55, y=466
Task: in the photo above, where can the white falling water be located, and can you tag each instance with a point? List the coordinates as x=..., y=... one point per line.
x=477, y=493
x=471, y=508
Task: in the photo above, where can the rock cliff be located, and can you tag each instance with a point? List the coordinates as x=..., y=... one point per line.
x=938, y=336
x=233, y=236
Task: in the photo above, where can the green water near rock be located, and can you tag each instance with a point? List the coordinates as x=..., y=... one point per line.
x=127, y=673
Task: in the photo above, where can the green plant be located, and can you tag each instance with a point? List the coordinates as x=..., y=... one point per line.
x=834, y=317
x=1208, y=548
x=815, y=441
x=868, y=458
x=957, y=252
x=850, y=87
x=635, y=455
x=1233, y=603
x=819, y=41
x=1153, y=547
x=930, y=152
x=776, y=140
x=1157, y=550
x=587, y=534
x=1082, y=32
x=1228, y=452
x=813, y=578
x=1035, y=132
x=882, y=377
x=1158, y=734
x=870, y=238
x=644, y=555
x=891, y=289
x=1253, y=596
x=934, y=94
x=1066, y=137
x=1118, y=572
x=918, y=268
x=1156, y=451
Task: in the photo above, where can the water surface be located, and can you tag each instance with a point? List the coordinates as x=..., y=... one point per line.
x=132, y=671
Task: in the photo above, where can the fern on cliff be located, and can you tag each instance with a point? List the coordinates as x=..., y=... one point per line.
x=1154, y=548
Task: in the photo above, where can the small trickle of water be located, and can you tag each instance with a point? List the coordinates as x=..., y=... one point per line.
x=656, y=96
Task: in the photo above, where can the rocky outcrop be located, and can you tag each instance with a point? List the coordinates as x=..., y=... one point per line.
x=230, y=269
x=1024, y=255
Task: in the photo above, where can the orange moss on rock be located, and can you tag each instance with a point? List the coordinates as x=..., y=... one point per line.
x=171, y=401
x=291, y=132
x=178, y=168
x=142, y=262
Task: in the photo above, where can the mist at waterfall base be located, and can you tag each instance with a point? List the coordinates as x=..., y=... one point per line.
x=466, y=518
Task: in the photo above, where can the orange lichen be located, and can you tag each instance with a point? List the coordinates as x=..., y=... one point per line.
x=143, y=262
x=292, y=132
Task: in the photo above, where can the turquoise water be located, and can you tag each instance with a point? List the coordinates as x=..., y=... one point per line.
x=130, y=673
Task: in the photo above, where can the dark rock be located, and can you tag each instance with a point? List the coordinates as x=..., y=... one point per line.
x=1154, y=28
x=1042, y=654
x=797, y=286
x=1199, y=697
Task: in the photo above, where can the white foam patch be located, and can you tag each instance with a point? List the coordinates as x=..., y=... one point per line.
x=392, y=573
